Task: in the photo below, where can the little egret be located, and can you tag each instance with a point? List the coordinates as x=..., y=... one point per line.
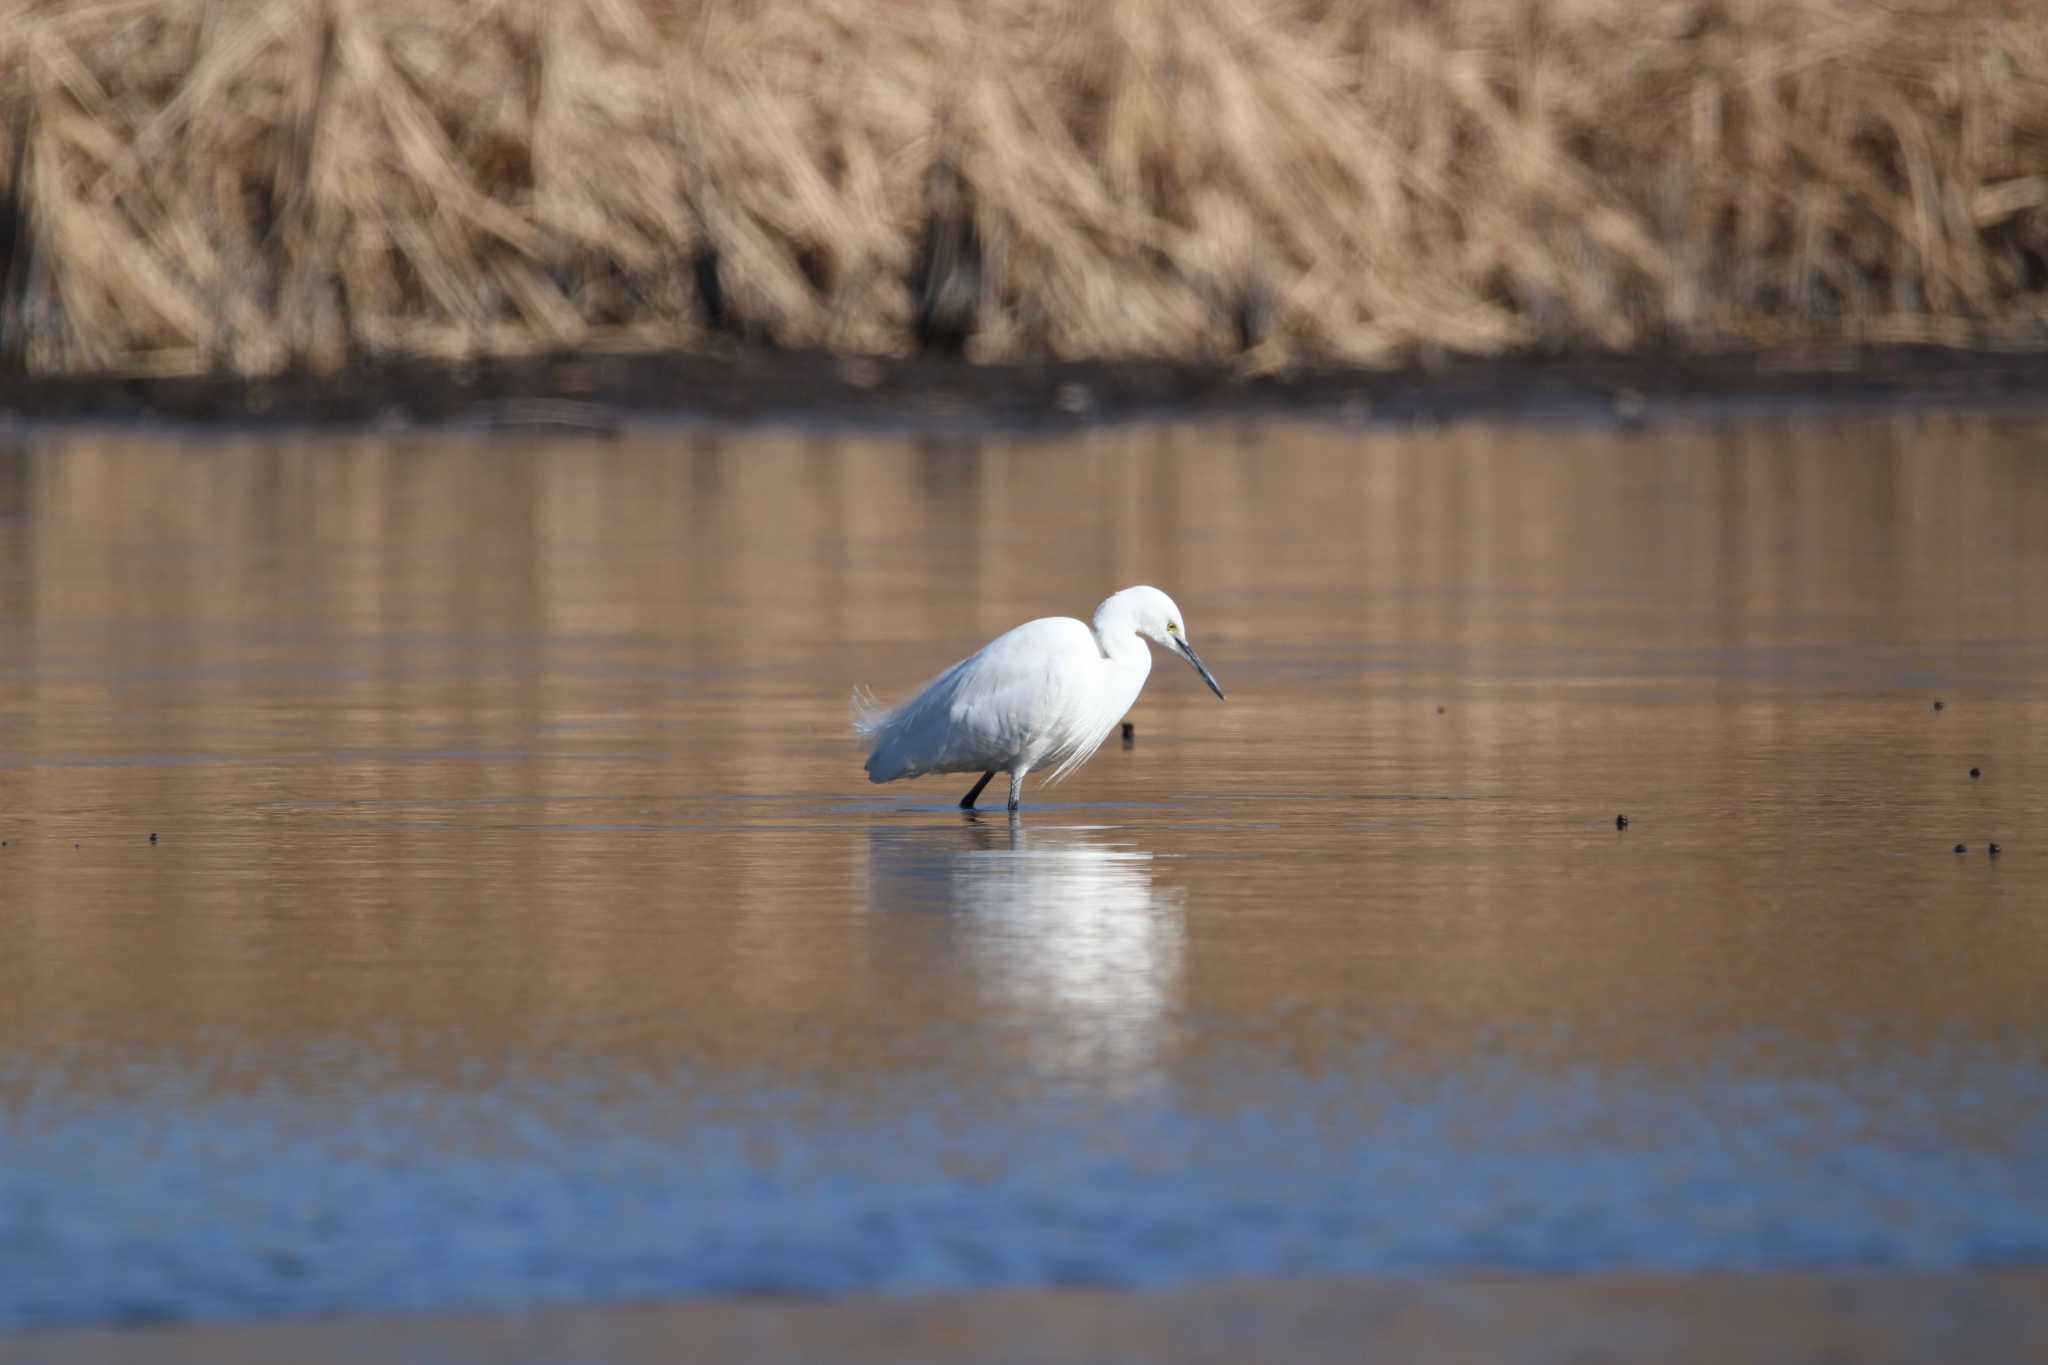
x=1048, y=692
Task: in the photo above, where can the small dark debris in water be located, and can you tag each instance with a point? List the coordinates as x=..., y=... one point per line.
x=1961, y=849
x=1976, y=772
x=1130, y=734
x=1621, y=822
x=1937, y=706
x=1439, y=710
x=1994, y=850
x=152, y=838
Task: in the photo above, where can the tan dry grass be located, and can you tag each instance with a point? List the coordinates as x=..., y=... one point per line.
x=252, y=184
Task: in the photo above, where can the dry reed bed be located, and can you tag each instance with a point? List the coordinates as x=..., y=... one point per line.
x=252, y=185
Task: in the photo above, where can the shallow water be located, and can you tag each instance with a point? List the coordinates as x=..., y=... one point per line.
x=520, y=925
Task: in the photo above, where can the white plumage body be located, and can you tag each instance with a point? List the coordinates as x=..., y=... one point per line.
x=1043, y=695
x=1040, y=695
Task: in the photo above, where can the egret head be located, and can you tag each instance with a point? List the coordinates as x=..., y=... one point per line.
x=1152, y=614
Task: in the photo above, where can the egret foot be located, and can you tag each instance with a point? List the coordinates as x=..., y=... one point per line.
x=1016, y=786
x=967, y=801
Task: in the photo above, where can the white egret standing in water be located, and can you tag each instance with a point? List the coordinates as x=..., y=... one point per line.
x=1048, y=692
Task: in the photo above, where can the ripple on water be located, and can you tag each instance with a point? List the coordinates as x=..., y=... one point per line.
x=169, y=1201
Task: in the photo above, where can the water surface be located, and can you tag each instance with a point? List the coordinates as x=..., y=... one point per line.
x=520, y=924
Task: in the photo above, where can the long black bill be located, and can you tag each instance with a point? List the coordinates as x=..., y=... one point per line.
x=1201, y=668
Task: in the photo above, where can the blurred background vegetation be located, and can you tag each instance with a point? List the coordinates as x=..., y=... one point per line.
x=252, y=186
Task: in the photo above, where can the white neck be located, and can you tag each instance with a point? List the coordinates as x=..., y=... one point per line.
x=1116, y=630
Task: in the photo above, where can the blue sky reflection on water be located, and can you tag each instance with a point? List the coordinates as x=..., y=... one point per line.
x=379, y=1194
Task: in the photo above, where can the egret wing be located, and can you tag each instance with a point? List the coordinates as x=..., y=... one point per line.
x=1019, y=696
x=1014, y=698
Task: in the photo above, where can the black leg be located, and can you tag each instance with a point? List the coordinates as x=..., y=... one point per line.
x=967, y=801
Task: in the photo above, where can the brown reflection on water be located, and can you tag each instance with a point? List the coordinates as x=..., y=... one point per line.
x=520, y=751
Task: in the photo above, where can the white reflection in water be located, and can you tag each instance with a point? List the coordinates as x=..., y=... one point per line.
x=1063, y=930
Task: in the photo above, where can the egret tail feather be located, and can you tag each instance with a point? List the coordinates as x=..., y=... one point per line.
x=869, y=715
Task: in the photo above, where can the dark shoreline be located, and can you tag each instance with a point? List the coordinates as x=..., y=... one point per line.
x=1988, y=1317
x=600, y=393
